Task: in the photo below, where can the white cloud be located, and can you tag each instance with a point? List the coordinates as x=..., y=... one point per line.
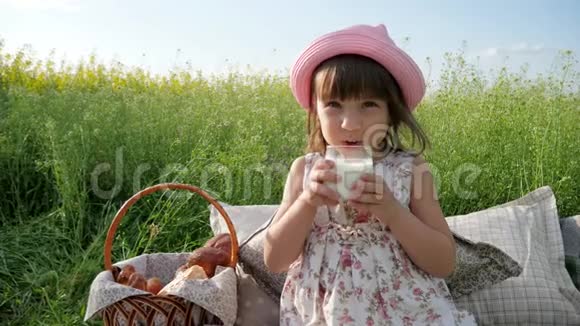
x=538, y=47
x=517, y=48
x=61, y=5
x=490, y=52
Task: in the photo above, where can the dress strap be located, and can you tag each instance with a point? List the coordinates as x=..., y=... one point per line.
x=397, y=171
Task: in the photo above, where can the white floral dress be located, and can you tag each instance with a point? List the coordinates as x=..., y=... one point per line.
x=354, y=272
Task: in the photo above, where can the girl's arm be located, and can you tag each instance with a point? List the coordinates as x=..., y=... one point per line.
x=423, y=231
x=286, y=236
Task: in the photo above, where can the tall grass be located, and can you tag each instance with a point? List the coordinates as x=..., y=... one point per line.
x=77, y=140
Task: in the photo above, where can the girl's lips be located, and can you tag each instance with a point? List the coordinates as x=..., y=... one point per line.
x=352, y=143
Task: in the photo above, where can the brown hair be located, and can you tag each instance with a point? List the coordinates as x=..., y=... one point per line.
x=354, y=77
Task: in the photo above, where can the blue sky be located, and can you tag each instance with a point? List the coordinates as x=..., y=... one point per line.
x=215, y=36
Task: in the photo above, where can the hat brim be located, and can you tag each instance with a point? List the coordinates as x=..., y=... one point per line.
x=396, y=61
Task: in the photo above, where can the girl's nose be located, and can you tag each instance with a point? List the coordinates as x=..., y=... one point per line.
x=351, y=120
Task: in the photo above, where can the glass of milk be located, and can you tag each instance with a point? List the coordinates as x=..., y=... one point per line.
x=351, y=162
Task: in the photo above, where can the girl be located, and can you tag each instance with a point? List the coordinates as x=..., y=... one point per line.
x=380, y=257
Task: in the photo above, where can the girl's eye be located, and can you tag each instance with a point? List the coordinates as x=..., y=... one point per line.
x=333, y=104
x=370, y=104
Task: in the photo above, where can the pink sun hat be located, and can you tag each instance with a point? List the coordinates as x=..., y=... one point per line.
x=369, y=41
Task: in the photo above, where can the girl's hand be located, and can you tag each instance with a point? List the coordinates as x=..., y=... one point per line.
x=316, y=192
x=371, y=195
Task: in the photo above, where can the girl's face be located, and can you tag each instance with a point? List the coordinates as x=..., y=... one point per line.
x=349, y=121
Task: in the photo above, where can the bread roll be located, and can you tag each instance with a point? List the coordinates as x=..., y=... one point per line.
x=126, y=272
x=138, y=281
x=208, y=258
x=221, y=241
x=195, y=272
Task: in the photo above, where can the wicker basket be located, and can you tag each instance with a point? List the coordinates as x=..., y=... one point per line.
x=160, y=309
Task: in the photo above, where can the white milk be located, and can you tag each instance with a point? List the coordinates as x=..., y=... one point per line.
x=350, y=170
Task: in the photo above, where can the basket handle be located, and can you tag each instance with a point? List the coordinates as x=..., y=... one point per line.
x=165, y=186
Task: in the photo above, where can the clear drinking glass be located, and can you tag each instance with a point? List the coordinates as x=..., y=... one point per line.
x=351, y=163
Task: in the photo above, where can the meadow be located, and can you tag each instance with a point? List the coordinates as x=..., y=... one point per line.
x=78, y=139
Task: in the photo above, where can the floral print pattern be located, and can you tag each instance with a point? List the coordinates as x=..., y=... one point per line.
x=354, y=272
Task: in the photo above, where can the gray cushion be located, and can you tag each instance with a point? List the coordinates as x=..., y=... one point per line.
x=255, y=307
x=252, y=261
x=528, y=230
x=571, y=237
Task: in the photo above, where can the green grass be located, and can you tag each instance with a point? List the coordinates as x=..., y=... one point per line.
x=77, y=141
